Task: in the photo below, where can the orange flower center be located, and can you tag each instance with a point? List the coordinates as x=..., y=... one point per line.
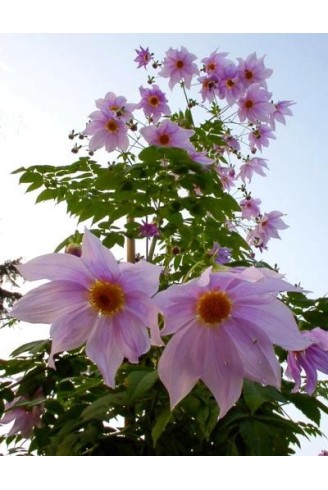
x=179, y=64
x=230, y=83
x=249, y=104
x=213, y=306
x=211, y=66
x=111, y=125
x=248, y=75
x=164, y=139
x=106, y=297
x=153, y=100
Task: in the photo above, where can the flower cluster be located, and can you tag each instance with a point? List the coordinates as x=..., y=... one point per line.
x=240, y=86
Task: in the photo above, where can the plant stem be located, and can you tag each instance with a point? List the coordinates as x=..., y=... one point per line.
x=130, y=245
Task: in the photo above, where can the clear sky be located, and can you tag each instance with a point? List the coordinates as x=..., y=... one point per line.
x=48, y=85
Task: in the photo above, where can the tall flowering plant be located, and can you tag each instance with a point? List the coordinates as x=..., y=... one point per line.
x=181, y=346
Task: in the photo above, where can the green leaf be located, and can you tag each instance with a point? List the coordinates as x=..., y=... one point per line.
x=307, y=405
x=33, y=347
x=255, y=395
x=139, y=382
x=162, y=420
x=46, y=195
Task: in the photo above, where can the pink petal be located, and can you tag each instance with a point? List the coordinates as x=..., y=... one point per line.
x=104, y=350
x=131, y=337
x=256, y=353
x=99, y=260
x=71, y=331
x=141, y=276
x=56, y=266
x=50, y=301
x=277, y=321
x=222, y=372
x=180, y=365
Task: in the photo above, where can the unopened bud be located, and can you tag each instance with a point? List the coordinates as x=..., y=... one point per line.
x=73, y=249
x=175, y=250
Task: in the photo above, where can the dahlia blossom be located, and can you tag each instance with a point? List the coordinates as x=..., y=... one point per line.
x=252, y=70
x=281, y=109
x=25, y=418
x=168, y=134
x=254, y=105
x=224, y=326
x=215, y=63
x=250, y=207
x=116, y=104
x=252, y=165
x=314, y=358
x=178, y=66
x=260, y=137
x=93, y=300
x=143, y=58
x=108, y=130
x=153, y=103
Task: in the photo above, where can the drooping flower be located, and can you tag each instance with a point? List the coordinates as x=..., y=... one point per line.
x=260, y=137
x=200, y=157
x=144, y=57
x=270, y=223
x=324, y=452
x=108, y=130
x=224, y=326
x=252, y=70
x=93, y=300
x=178, y=66
x=250, y=166
x=227, y=176
x=255, y=105
x=153, y=103
x=116, y=104
x=148, y=230
x=222, y=255
x=281, y=109
x=250, y=207
x=25, y=418
x=168, y=134
x=310, y=360
x=232, y=142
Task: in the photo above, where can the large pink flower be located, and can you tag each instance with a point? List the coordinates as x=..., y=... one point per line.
x=224, y=326
x=93, y=300
x=168, y=134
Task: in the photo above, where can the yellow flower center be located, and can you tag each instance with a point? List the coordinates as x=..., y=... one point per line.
x=106, y=297
x=213, y=306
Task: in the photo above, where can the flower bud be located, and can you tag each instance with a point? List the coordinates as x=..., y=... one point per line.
x=73, y=249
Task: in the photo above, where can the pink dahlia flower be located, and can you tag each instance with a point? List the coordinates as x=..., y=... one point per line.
x=215, y=63
x=178, y=66
x=252, y=70
x=231, y=86
x=260, y=137
x=116, y=104
x=251, y=166
x=93, y=300
x=250, y=207
x=254, y=105
x=281, y=109
x=168, y=134
x=314, y=358
x=224, y=326
x=153, y=103
x=108, y=130
x=25, y=418
x=143, y=57
x=210, y=87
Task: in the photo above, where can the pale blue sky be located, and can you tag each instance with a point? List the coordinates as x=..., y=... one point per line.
x=48, y=86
